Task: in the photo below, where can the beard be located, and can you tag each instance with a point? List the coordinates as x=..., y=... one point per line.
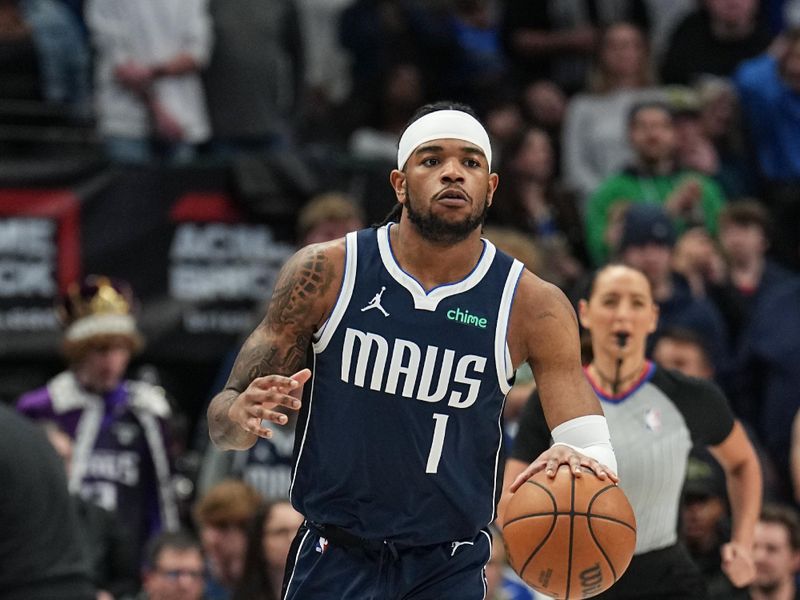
x=440, y=231
x=770, y=586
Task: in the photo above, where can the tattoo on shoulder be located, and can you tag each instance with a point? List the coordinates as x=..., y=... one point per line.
x=280, y=343
x=301, y=282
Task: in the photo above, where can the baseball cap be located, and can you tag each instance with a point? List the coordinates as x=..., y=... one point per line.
x=704, y=479
x=646, y=224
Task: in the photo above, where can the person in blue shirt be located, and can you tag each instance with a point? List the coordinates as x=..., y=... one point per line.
x=769, y=92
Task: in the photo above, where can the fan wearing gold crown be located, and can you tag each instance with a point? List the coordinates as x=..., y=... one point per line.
x=119, y=427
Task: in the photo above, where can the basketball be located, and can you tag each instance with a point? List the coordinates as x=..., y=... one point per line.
x=569, y=537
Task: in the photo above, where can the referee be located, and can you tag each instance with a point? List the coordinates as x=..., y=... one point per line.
x=655, y=417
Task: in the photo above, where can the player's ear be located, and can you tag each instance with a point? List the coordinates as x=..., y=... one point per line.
x=398, y=180
x=494, y=179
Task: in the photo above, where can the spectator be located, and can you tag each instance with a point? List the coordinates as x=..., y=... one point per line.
x=113, y=567
x=476, y=65
x=254, y=80
x=63, y=56
x=697, y=257
x=769, y=89
x=767, y=375
x=697, y=151
x=149, y=96
x=534, y=202
x=19, y=65
x=327, y=217
x=745, y=232
x=269, y=539
x=721, y=124
x=685, y=351
x=714, y=39
x=646, y=245
x=777, y=554
x=544, y=105
x=705, y=523
x=174, y=568
x=654, y=178
x=504, y=120
x=222, y=516
x=665, y=17
x=594, y=143
x=119, y=426
x=327, y=76
x=553, y=40
x=400, y=91
x=41, y=553
x=377, y=34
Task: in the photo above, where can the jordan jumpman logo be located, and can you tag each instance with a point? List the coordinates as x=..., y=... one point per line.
x=376, y=302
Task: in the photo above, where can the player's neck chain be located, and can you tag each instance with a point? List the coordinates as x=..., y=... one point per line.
x=608, y=382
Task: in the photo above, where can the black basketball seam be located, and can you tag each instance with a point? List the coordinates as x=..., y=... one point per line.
x=532, y=515
x=605, y=517
x=552, y=526
x=571, y=534
x=594, y=537
x=577, y=514
x=612, y=520
x=546, y=491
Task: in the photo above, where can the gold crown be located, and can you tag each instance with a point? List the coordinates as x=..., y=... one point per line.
x=96, y=296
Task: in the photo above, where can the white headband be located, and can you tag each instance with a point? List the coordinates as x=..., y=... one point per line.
x=443, y=125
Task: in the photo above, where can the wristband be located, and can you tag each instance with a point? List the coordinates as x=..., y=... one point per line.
x=588, y=435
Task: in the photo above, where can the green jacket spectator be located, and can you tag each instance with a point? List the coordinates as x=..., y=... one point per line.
x=689, y=197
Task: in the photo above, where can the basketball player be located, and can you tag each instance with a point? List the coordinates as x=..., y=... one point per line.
x=416, y=328
x=655, y=416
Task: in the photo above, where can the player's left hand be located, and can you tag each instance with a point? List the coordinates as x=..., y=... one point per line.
x=560, y=454
x=737, y=564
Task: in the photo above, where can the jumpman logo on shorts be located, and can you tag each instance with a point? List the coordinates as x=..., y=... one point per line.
x=376, y=302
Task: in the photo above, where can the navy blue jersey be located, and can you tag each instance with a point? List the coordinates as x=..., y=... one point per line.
x=400, y=434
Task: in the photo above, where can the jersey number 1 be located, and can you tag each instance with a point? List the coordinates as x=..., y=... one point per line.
x=438, y=441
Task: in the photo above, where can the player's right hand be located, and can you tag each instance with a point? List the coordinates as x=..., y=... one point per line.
x=560, y=454
x=264, y=394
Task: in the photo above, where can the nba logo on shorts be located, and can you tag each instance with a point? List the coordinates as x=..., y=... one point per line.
x=322, y=545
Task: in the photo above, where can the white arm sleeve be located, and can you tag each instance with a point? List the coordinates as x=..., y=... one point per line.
x=588, y=435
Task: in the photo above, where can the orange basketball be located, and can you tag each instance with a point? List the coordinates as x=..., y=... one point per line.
x=569, y=537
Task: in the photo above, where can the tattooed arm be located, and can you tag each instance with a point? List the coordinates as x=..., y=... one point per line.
x=268, y=371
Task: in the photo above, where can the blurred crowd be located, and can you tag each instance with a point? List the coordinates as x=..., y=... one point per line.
x=662, y=135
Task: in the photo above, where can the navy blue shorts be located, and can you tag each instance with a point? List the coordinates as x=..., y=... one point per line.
x=319, y=567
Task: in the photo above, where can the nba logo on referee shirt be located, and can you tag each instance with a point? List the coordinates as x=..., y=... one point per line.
x=652, y=419
x=322, y=545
